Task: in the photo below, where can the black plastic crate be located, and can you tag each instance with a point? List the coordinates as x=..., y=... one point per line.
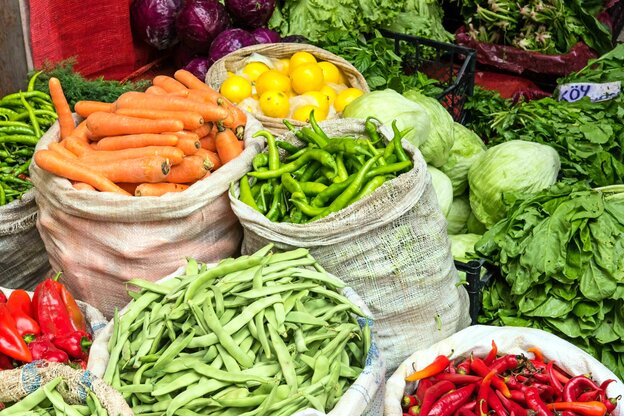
x=452, y=65
x=478, y=276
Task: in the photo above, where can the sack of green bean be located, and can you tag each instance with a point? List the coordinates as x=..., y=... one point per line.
x=270, y=333
x=24, y=116
x=56, y=389
x=389, y=245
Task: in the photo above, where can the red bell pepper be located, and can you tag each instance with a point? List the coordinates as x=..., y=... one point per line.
x=20, y=306
x=582, y=408
x=43, y=349
x=75, y=314
x=3, y=298
x=11, y=343
x=52, y=314
x=576, y=386
x=76, y=344
x=436, y=367
x=5, y=362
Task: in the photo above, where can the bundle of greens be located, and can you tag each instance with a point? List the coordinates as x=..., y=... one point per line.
x=561, y=255
x=546, y=26
x=479, y=109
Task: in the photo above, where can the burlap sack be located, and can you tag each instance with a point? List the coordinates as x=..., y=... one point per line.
x=236, y=60
x=101, y=240
x=390, y=247
x=23, y=259
x=17, y=384
x=363, y=398
x=509, y=340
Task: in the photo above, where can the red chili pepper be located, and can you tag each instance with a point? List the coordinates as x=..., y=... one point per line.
x=512, y=406
x=534, y=402
x=480, y=368
x=517, y=396
x=436, y=367
x=52, y=314
x=20, y=308
x=459, y=378
x=43, y=349
x=452, y=369
x=470, y=405
x=552, y=379
x=582, y=408
x=507, y=362
x=5, y=362
x=495, y=404
x=433, y=393
x=561, y=375
x=464, y=366
x=408, y=401
x=413, y=411
x=465, y=412
x=576, y=386
x=589, y=396
x=423, y=386
x=75, y=314
x=11, y=342
x=3, y=298
x=537, y=353
x=492, y=355
x=602, y=396
x=484, y=389
x=452, y=401
x=76, y=344
x=542, y=378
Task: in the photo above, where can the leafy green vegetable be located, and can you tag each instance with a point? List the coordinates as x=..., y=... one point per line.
x=77, y=88
x=421, y=18
x=479, y=109
x=561, y=256
x=515, y=166
x=467, y=148
x=457, y=217
x=609, y=67
x=463, y=246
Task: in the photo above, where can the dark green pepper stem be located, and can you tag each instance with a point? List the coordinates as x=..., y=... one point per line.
x=290, y=148
x=291, y=184
x=312, y=188
x=347, y=195
x=274, y=211
x=317, y=129
x=260, y=160
x=313, y=137
x=309, y=171
x=245, y=193
x=398, y=147
x=306, y=208
x=310, y=154
x=370, y=187
x=342, y=174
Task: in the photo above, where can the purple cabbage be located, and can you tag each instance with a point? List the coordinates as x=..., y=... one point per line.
x=264, y=35
x=199, y=66
x=251, y=13
x=154, y=21
x=199, y=23
x=295, y=39
x=229, y=41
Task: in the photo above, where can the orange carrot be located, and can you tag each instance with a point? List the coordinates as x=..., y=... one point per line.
x=239, y=121
x=205, y=130
x=155, y=90
x=173, y=154
x=131, y=141
x=145, y=169
x=214, y=158
x=81, y=131
x=58, y=148
x=85, y=108
x=81, y=186
x=93, y=146
x=208, y=143
x=158, y=189
x=189, y=80
x=227, y=145
x=107, y=124
x=188, y=145
x=128, y=187
x=159, y=102
x=183, y=94
x=66, y=121
x=207, y=97
x=168, y=84
x=241, y=143
x=67, y=168
x=191, y=169
x=191, y=120
x=184, y=134
x=77, y=146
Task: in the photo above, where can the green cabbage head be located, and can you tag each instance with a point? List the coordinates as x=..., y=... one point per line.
x=467, y=148
x=443, y=188
x=462, y=246
x=457, y=217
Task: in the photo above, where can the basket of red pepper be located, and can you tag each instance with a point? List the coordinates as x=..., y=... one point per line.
x=524, y=372
x=47, y=324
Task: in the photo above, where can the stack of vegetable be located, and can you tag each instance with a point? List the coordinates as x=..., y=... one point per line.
x=327, y=175
x=146, y=144
x=507, y=384
x=24, y=117
x=48, y=400
x=260, y=334
x=49, y=327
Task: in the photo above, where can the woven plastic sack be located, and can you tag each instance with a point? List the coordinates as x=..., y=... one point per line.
x=20, y=382
x=234, y=61
x=509, y=340
x=23, y=259
x=101, y=240
x=364, y=397
x=390, y=247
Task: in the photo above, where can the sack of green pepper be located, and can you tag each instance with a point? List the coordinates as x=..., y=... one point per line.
x=58, y=390
x=376, y=226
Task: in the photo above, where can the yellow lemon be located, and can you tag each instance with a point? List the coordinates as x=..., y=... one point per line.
x=300, y=58
x=302, y=113
x=331, y=73
x=329, y=92
x=272, y=80
x=230, y=74
x=235, y=88
x=322, y=101
x=274, y=104
x=282, y=65
x=254, y=69
x=307, y=77
x=345, y=97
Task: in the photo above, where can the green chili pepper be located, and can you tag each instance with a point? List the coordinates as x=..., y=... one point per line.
x=309, y=171
x=398, y=147
x=16, y=130
x=331, y=192
x=290, y=148
x=371, y=129
x=39, y=113
x=260, y=160
x=22, y=168
x=31, y=114
x=296, y=216
x=381, y=161
x=389, y=150
x=348, y=146
x=28, y=94
x=312, y=188
x=297, y=154
x=274, y=161
x=291, y=184
x=298, y=134
x=391, y=159
x=274, y=212
x=310, y=154
x=18, y=138
x=306, y=208
x=33, y=79
x=313, y=137
x=369, y=188
x=342, y=174
x=245, y=193
x=317, y=129
x=389, y=169
x=255, y=189
x=13, y=179
x=2, y=195
x=8, y=112
x=13, y=123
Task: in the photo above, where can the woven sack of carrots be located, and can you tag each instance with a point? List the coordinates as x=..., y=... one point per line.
x=391, y=246
x=128, y=189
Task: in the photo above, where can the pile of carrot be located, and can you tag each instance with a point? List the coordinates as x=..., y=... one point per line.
x=146, y=143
